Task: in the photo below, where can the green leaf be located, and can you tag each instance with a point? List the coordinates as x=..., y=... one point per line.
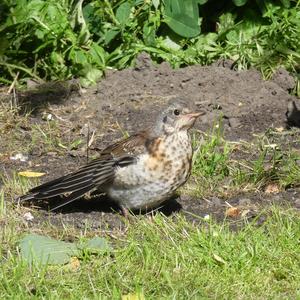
x=182, y=17
x=286, y=3
x=123, y=13
x=155, y=3
x=98, y=54
x=37, y=249
x=78, y=56
x=96, y=245
x=201, y=2
x=168, y=44
x=110, y=35
x=57, y=58
x=91, y=76
x=77, y=19
x=4, y=44
x=149, y=34
x=75, y=144
x=239, y=2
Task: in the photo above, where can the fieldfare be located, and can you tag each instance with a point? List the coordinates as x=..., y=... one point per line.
x=139, y=172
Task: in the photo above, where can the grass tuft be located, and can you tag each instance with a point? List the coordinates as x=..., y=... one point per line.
x=173, y=259
x=224, y=168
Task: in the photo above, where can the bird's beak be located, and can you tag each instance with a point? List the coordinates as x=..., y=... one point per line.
x=188, y=119
x=194, y=115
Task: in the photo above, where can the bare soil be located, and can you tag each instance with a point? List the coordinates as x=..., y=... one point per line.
x=128, y=101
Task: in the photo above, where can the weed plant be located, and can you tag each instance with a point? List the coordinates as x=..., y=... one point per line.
x=58, y=40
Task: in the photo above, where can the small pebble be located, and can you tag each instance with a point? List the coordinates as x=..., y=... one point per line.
x=28, y=216
x=47, y=116
x=19, y=156
x=206, y=217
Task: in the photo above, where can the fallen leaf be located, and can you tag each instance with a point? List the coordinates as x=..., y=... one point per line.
x=245, y=212
x=272, y=188
x=279, y=129
x=74, y=263
x=219, y=259
x=271, y=146
x=37, y=249
x=96, y=245
x=138, y=296
x=232, y=212
x=31, y=174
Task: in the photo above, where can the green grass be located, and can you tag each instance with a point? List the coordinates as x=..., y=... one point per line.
x=225, y=168
x=164, y=257
x=168, y=259
x=27, y=134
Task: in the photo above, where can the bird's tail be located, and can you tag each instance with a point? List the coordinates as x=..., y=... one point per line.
x=71, y=187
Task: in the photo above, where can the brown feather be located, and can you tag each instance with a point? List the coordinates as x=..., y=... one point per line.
x=92, y=176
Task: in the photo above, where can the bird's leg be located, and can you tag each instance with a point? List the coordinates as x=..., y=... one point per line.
x=124, y=211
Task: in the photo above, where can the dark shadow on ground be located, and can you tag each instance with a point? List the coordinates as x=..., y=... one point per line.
x=40, y=96
x=102, y=204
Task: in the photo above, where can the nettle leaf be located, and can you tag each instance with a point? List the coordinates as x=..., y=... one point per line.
x=239, y=2
x=98, y=55
x=110, y=35
x=37, y=249
x=78, y=56
x=149, y=34
x=182, y=17
x=123, y=13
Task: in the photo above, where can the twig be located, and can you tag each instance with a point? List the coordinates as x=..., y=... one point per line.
x=87, y=144
x=91, y=140
x=13, y=83
x=15, y=102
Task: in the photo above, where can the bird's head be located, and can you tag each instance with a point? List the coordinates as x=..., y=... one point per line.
x=176, y=117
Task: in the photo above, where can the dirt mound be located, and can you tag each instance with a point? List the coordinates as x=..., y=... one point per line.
x=129, y=100
x=132, y=97
x=246, y=102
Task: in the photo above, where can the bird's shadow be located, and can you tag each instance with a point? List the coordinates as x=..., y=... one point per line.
x=104, y=204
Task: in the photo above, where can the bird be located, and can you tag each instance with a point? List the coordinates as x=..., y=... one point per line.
x=292, y=115
x=139, y=172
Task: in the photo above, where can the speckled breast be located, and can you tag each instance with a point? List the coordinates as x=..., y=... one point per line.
x=156, y=174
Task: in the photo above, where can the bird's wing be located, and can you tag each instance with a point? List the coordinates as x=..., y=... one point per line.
x=133, y=145
x=95, y=174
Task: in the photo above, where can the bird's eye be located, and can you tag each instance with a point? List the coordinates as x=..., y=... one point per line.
x=176, y=112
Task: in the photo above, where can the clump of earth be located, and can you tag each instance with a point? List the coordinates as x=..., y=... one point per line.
x=129, y=100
